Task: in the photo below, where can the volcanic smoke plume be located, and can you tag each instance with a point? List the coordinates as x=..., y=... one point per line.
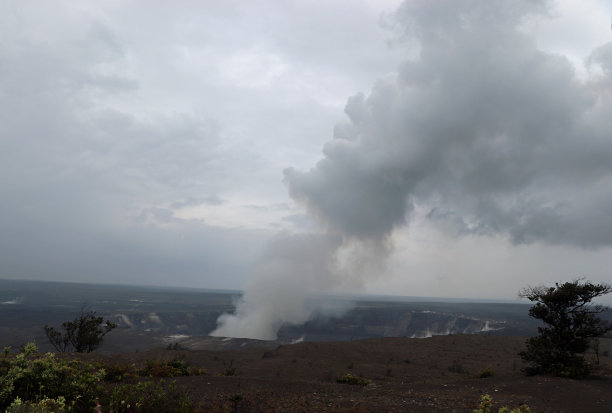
x=487, y=132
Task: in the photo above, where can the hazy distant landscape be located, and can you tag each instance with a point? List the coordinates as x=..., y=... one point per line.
x=416, y=354
x=149, y=317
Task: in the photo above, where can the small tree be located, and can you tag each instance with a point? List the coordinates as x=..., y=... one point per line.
x=83, y=334
x=571, y=323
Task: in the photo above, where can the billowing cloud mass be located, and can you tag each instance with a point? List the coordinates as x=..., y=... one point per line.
x=291, y=268
x=490, y=132
x=143, y=142
x=147, y=143
x=484, y=130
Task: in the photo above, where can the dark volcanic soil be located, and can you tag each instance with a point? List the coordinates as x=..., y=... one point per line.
x=435, y=374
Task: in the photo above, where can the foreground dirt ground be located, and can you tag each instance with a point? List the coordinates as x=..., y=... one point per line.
x=438, y=374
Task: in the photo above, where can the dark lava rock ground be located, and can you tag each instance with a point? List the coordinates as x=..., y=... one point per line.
x=437, y=374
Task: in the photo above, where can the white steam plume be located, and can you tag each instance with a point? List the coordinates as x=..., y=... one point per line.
x=492, y=134
x=292, y=271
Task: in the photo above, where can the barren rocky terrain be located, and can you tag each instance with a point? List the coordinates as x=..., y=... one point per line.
x=372, y=341
x=437, y=374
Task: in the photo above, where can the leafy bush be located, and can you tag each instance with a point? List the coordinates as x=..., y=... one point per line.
x=486, y=372
x=83, y=334
x=147, y=396
x=352, y=379
x=570, y=326
x=41, y=383
x=486, y=406
x=169, y=368
x=45, y=405
x=116, y=372
x=33, y=378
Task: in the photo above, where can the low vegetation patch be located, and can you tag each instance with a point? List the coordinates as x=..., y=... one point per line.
x=352, y=379
x=148, y=396
x=120, y=372
x=486, y=406
x=45, y=405
x=170, y=368
x=31, y=377
x=35, y=382
x=486, y=372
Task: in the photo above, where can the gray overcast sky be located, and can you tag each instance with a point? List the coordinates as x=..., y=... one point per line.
x=166, y=143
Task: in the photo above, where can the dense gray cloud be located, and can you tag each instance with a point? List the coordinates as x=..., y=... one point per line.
x=85, y=185
x=490, y=134
x=144, y=141
x=489, y=131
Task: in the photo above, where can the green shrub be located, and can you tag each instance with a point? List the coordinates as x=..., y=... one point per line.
x=32, y=377
x=116, y=372
x=486, y=372
x=352, y=379
x=119, y=372
x=169, y=368
x=147, y=396
x=42, y=383
x=45, y=405
x=486, y=406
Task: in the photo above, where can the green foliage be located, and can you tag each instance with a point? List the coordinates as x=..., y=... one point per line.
x=33, y=378
x=523, y=408
x=120, y=372
x=83, y=334
x=45, y=405
x=486, y=372
x=352, y=379
x=486, y=406
x=41, y=383
x=570, y=325
x=116, y=372
x=148, y=396
x=169, y=368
